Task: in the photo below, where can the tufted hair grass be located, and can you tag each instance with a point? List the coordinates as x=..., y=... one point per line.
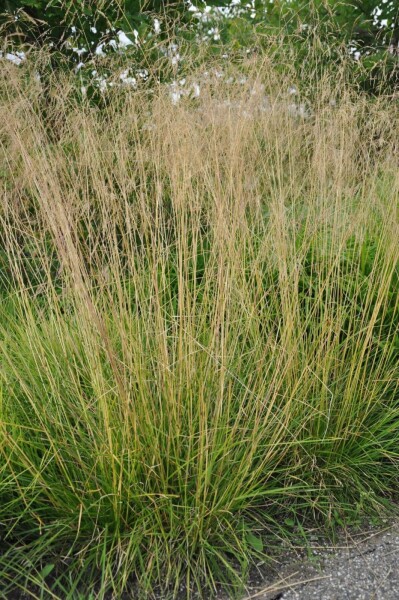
x=198, y=329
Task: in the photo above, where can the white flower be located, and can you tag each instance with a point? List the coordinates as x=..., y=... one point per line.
x=124, y=41
x=102, y=84
x=143, y=73
x=175, y=92
x=79, y=51
x=354, y=52
x=99, y=50
x=196, y=90
x=214, y=32
x=175, y=97
x=157, y=26
x=16, y=58
x=127, y=79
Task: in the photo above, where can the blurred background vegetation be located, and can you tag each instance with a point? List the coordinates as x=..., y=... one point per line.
x=83, y=29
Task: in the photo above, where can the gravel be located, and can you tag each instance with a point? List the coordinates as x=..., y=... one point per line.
x=365, y=567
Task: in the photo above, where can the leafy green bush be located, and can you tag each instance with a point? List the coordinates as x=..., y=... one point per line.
x=368, y=30
x=52, y=20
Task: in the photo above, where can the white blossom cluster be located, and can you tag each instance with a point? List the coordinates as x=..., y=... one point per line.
x=209, y=19
x=208, y=22
x=14, y=57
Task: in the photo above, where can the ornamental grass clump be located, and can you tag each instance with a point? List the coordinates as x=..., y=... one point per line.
x=198, y=328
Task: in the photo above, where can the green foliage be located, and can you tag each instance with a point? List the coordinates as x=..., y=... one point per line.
x=369, y=29
x=52, y=20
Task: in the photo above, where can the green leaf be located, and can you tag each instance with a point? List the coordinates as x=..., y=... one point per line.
x=47, y=570
x=254, y=541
